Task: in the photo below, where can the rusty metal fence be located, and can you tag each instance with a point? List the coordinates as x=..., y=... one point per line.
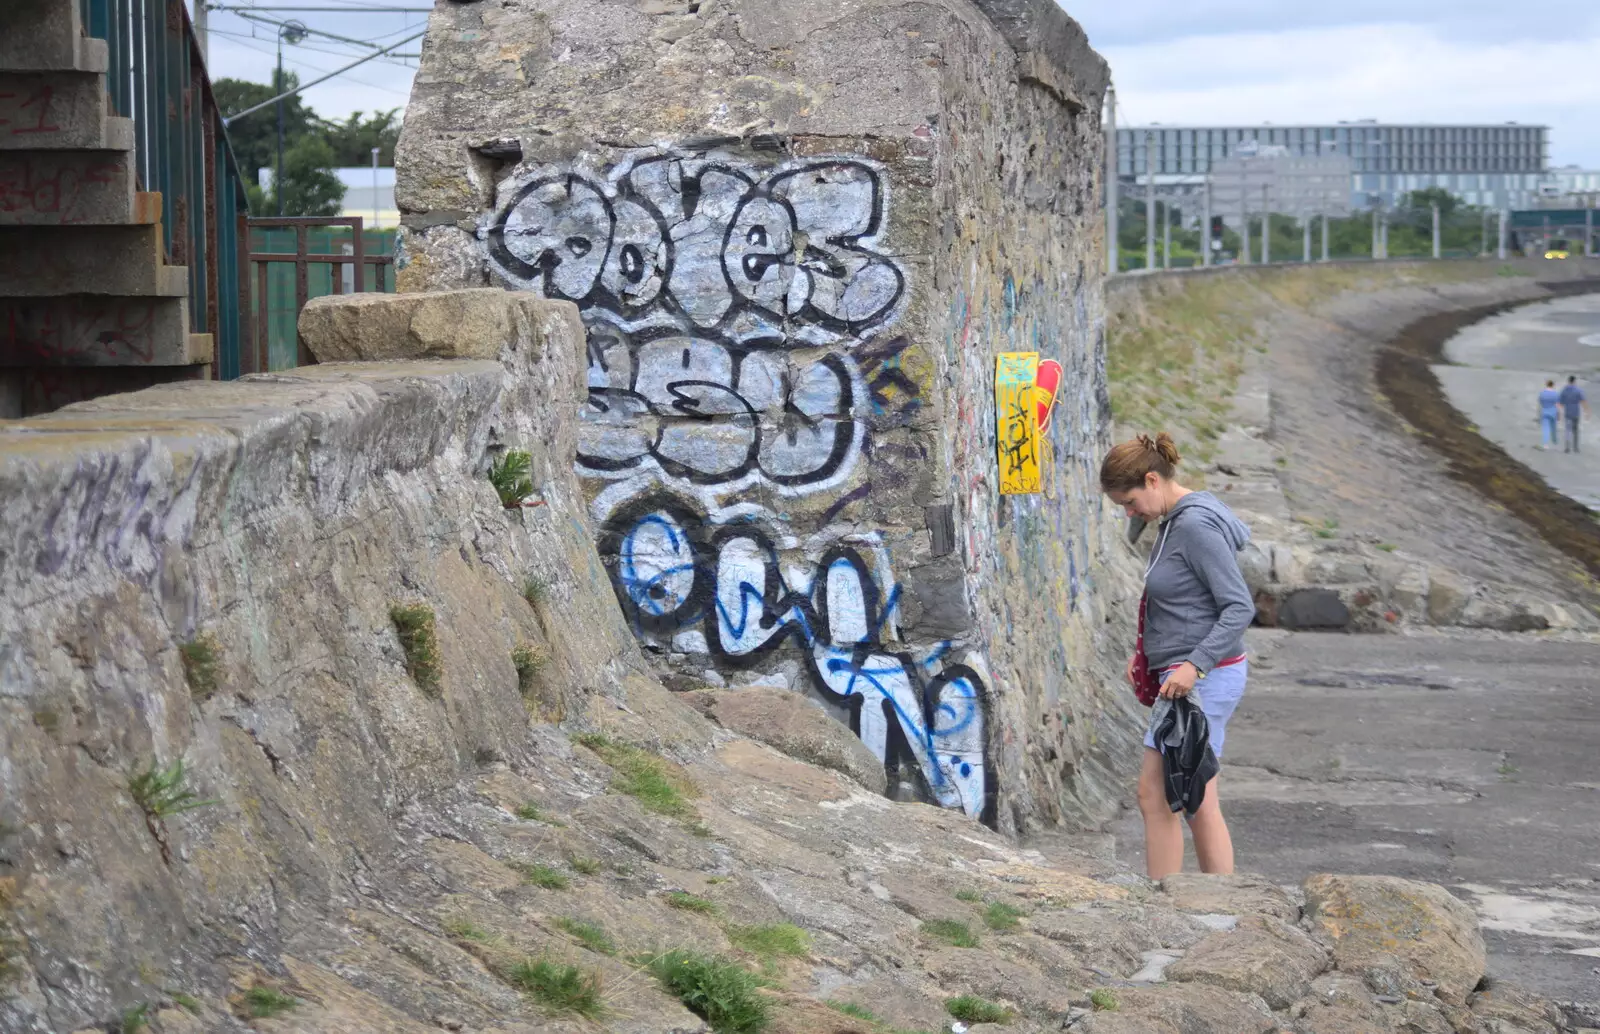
x=293, y=259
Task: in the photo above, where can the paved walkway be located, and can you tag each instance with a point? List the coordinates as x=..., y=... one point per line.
x=1466, y=760
x=1505, y=360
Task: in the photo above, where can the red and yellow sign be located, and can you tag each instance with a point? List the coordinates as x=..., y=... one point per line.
x=1017, y=422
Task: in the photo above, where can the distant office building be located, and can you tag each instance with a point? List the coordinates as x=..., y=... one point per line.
x=1497, y=166
x=1572, y=185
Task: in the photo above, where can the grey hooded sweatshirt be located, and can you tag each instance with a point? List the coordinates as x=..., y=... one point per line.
x=1198, y=604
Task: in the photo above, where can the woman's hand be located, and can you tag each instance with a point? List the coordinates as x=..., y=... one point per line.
x=1180, y=682
x=1131, y=672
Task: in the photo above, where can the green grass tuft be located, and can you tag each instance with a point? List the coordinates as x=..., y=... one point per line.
x=950, y=931
x=590, y=935
x=852, y=1009
x=188, y=1003
x=262, y=1002
x=771, y=941
x=529, y=662
x=721, y=992
x=1103, y=999
x=419, y=638
x=509, y=476
x=1324, y=533
x=201, y=664
x=160, y=792
x=969, y=895
x=972, y=1009
x=1388, y=547
x=689, y=903
x=535, y=590
x=542, y=875
x=134, y=1019
x=558, y=987
x=1001, y=916
x=529, y=812
x=465, y=929
x=586, y=866
x=649, y=779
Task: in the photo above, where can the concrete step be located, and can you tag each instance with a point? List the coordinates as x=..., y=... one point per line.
x=72, y=188
x=47, y=35
x=93, y=330
x=40, y=110
x=28, y=392
x=51, y=261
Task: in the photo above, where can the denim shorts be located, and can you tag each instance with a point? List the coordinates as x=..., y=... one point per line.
x=1217, y=694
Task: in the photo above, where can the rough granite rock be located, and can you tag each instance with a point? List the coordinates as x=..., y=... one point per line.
x=1112, y=942
x=1262, y=955
x=468, y=324
x=1364, y=919
x=1238, y=894
x=1181, y=1009
x=799, y=728
x=1505, y=1008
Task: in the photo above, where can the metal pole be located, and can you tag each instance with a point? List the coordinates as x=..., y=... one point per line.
x=1500, y=249
x=1166, y=234
x=202, y=30
x=1383, y=224
x=1112, y=167
x=1205, y=226
x=1324, y=236
x=1483, y=239
x=1305, y=229
x=1435, y=229
x=374, y=190
x=277, y=174
x=1244, y=222
x=1588, y=233
x=1149, y=204
x=1375, y=253
x=1266, y=227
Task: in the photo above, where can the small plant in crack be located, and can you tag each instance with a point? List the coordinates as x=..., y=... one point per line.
x=956, y=934
x=161, y=793
x=134, y=1019
x=689, y=903
x=968, y=895
x=529, y=662
x=1103, y=999
x=509, y=476
x=586, y=866
x=853, y=1010
x=262, y=1001
x=419, y=639
x=588, y=934
x=1001, y=916
x=972, y=1009
x=557, y=987
x=535, y=590
x=201, y=664
x=548, y=877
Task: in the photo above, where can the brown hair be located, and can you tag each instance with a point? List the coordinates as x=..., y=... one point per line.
x=1125, y=466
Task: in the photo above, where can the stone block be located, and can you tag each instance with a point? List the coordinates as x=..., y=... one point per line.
x=1365, y=919
x=54, y=110
x=1313, y=609
x=120, y=261
x=1263, y=955
x=477, y=323
x=1448, y=594
x=68, y=188
x=1238, y=894
x=786, y=721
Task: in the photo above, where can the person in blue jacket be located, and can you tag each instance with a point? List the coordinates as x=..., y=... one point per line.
x=1197, y=607
x=1575, y=403
x=1549, y=399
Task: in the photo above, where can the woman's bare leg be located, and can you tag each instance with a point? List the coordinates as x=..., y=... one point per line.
x=1212, y=844
x=1163, y=833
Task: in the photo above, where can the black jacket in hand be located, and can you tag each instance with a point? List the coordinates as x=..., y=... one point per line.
x=1184, y=739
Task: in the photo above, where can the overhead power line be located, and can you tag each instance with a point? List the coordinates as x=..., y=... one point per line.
x=290, y=93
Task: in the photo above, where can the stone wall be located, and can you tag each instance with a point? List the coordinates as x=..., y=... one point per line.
x=799, y=235
x=205, y=572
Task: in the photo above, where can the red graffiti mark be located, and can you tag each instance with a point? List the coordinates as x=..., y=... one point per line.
x=53, y=187
x=70, y=329
x=41, y=99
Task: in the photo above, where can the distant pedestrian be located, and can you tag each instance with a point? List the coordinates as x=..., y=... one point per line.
x=1576, y=403
x=1549, y=414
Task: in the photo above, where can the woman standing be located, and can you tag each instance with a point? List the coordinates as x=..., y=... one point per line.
x=1197, y=607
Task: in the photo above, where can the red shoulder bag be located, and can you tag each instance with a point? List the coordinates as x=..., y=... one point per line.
x=1146, y=686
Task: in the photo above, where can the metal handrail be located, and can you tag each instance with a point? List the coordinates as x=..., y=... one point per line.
x=157, y=77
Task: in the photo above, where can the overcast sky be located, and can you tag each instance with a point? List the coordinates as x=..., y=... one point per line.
x=1174, y=61
x=1294, y=61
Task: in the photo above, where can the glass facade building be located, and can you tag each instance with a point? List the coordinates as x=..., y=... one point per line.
x=1496, y=166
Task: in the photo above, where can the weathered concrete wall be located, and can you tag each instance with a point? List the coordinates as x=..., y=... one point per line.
x=277, y=518
x=799, y=235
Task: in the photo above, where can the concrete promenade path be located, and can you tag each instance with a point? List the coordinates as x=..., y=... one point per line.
x=1500, y=365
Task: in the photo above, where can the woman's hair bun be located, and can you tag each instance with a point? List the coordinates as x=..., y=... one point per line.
x=1167, y=448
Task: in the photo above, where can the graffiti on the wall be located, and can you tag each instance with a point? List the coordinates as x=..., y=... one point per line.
x=739, y=353
x=678, y=571
x=1017, y=430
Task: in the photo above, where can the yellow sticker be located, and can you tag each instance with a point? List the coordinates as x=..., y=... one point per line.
x=1017, y=422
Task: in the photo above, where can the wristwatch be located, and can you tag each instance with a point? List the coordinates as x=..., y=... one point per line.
x=1200, y=672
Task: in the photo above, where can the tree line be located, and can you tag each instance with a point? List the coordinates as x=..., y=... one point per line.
x=312, y=146
x=1461, y=232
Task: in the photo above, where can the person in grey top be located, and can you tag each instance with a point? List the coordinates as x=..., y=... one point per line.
x=1197, y=607
x=1575, y=403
